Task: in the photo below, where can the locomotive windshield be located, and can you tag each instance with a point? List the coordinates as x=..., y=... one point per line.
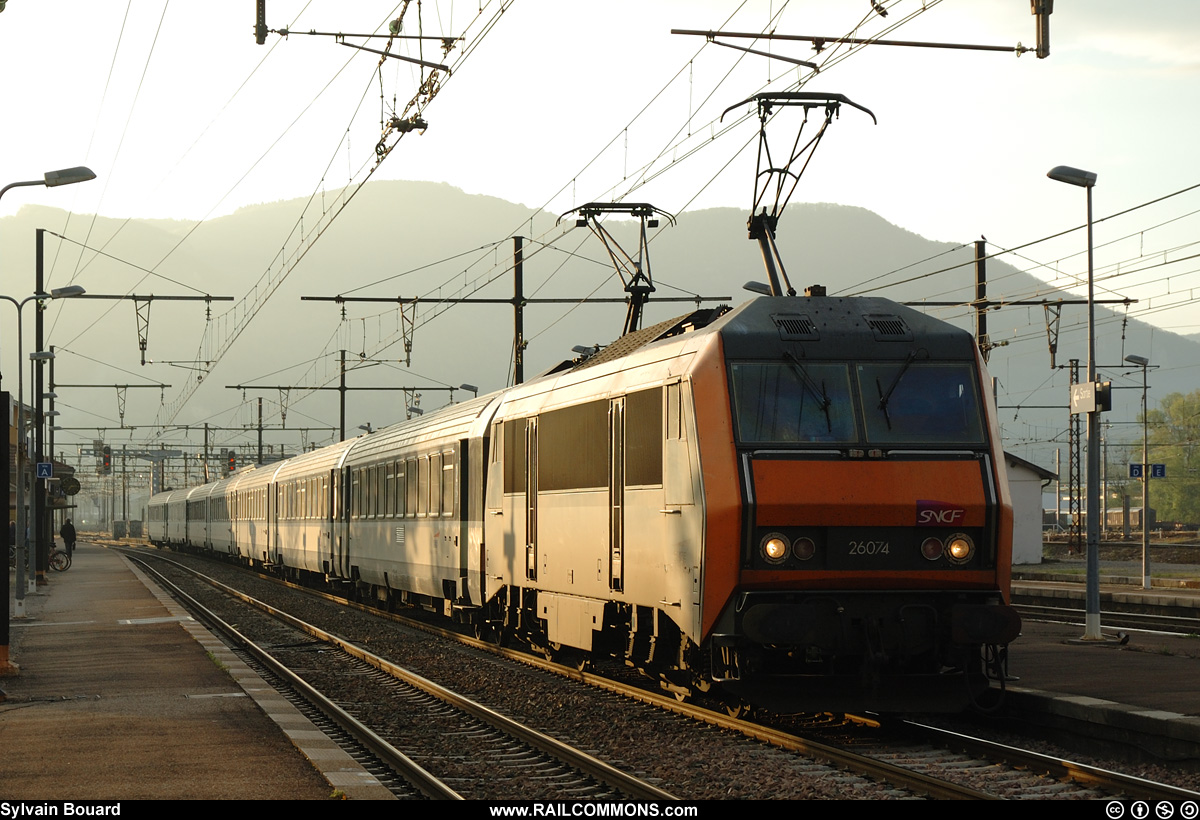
x=920, y=403
x=793, y=402
x=885, y=403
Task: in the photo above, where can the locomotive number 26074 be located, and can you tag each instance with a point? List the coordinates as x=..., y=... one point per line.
x=869, y=548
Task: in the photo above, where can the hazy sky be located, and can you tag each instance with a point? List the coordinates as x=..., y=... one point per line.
x=164, y=101
x=183, y=115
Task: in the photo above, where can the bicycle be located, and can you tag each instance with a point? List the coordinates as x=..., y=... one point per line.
x=12, y=557
x=60, y=561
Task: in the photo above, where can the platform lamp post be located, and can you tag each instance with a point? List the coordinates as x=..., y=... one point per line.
x=41, y=529
x=1144, y=364
x=56, y=293
x=1087, y=180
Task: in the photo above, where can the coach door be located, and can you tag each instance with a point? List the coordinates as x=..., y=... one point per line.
x=332, y=544
x=616, y=494
x=531, y=494
x=511, y=528
x=339, y=541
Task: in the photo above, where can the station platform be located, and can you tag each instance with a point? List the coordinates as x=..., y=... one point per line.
x=120, y=695
x=1140, y=686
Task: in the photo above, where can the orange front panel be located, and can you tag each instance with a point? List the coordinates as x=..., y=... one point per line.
x=872, y=493
x=722, y=493
x=888, y=579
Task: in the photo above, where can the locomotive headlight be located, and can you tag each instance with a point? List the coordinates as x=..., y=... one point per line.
x=959, y=548
x=774, y=547
x=932, y=548
x=804, y=548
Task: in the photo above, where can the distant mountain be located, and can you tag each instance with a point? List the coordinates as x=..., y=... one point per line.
x=428, y=239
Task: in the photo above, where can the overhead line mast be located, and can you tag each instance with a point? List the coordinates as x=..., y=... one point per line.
x=1041, y=9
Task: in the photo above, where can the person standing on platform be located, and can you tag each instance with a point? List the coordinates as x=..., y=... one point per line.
x=67, y=531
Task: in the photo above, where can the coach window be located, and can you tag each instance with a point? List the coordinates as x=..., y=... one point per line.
x=675, y=427
x=411, y=479
x=423, y=486
x=644, y=438
x=448, y=484
x=400, y=489
x=514, y=456
x=573, y=447
x=435, y=484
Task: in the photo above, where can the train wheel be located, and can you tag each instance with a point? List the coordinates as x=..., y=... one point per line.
x=737, y=708
x=488, y=633
x=570, y=656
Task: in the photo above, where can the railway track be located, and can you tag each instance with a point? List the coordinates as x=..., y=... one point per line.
x=465, y=749
x=1108, y=783
x=924, y=767
x=1150, y=622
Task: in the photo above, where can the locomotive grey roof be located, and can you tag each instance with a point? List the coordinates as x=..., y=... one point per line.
x=663, y=330
x=830, y=327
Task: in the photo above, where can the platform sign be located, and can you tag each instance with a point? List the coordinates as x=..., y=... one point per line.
x=45, y=469
x=1135, y=470
x=1158, y=470
x=1083, y=398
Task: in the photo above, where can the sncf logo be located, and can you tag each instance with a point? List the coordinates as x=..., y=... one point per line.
x=939, y=514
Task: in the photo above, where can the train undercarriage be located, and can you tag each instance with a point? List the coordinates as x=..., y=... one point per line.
x=791, y=652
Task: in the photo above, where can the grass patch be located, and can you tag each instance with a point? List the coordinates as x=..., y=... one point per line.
x=217, y=662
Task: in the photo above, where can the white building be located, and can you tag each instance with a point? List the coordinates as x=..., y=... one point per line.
x=1026, y=481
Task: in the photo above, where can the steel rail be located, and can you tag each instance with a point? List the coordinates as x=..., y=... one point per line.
x=411, y=771
x=604, y=772
x=896, y=775
x=1056, y=767
x=1148, y=622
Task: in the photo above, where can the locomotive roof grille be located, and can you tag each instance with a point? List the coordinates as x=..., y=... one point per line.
x=888, y=328
x=796, y=327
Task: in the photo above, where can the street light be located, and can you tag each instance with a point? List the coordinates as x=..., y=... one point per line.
x=1144, y=364
x=21, y=546
x=1091, y=632
x=52, y=179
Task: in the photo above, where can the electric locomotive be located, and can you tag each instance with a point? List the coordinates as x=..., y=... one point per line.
x=800, y=503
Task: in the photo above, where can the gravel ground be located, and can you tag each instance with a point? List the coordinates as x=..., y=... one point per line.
x=691, y=760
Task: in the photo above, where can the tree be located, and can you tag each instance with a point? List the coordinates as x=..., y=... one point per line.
x=1175, y=441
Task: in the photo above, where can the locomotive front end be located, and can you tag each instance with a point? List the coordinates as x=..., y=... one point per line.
x=874, y=534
